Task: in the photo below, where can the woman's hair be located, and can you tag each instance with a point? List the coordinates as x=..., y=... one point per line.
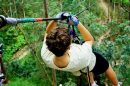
x=58, y=41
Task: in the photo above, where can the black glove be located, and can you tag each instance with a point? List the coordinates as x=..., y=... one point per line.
x=3, y=21
x=63, y=17
x=1, y=48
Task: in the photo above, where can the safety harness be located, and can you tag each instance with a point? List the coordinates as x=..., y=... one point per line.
x=77, y=40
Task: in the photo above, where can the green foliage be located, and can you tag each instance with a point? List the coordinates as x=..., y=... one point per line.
x=127, y=2
x=12, y=40
x=69, y=80
x=116, y=49
x=28, y=71
x=97, y=28
x=22, y=68
x=69, y=83
x=20, y=82
x=89, y=19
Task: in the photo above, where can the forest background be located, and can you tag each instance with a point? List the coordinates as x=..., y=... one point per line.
x=107, y=20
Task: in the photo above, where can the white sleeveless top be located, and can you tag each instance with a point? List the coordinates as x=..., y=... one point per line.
x=81, y=56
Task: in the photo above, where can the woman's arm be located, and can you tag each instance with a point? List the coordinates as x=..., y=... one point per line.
x=86, y=34
x=51, y=25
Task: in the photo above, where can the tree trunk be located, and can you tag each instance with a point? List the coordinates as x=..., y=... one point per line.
x=109, y=19
x=114, y=7
x=15, y=8
x=10, y=10
x=54, y=77
x=46, y=10
x=23, y=8
x=46, y=15
x=79, y=79
x=60, y=5
x=129, y=10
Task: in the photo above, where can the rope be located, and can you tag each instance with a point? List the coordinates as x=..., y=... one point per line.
x=87, y=8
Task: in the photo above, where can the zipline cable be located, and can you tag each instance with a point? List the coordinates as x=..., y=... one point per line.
x=14, y=21
x=87, y=8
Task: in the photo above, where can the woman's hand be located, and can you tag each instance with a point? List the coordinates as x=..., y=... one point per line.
x=67, y=18
x=63, y=15
x=73, y=21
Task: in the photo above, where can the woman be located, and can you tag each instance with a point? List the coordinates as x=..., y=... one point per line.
x=60, y=53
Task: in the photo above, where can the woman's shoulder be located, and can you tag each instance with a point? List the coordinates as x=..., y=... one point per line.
x=79, y=51
x=80, y=46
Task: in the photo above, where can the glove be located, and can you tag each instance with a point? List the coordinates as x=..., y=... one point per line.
x=73, y=20
x=3, y=21
x=63, y=15
x=1, y=49
x=67, y=18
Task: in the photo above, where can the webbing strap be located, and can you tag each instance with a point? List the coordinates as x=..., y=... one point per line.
x=74, y=36
x=88, y=76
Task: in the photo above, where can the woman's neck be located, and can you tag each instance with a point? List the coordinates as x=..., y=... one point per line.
x=61, y=61
x=61, y=57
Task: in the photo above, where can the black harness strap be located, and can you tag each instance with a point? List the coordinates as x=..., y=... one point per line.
x=74, y=36
x=88, y=76
x=2, y=69
x=3, y=21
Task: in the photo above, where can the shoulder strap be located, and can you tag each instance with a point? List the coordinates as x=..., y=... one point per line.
x=73, y=34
